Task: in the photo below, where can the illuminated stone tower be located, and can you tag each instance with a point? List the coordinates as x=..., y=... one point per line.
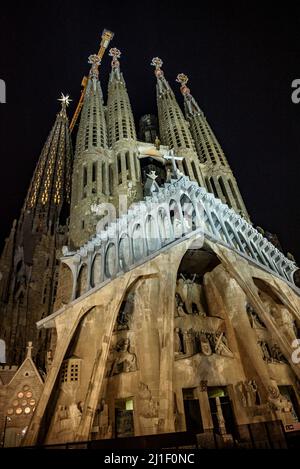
x=122, y=136
x=174, y=129
x=29, y=263
x=218, y=176
x=90, y=182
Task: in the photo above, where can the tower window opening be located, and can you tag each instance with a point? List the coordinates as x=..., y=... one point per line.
x=94, y=171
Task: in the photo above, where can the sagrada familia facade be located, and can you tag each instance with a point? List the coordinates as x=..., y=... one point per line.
x=136, y=296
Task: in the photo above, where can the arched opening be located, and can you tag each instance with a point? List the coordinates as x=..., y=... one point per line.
x=151, y=234
x=138, y=242
x=213, y=187
x=127, y=161
x=218, y=227
x=245, y=245
x=224, y=191
x=2, y=351
x=110, y=261
x=258, y=255
x=81, y=286
x=231, y=235
x=175, y=216
x=124, y=252
x=164, y=227
x=111, y=179
x=96, y=271
x=188, y=214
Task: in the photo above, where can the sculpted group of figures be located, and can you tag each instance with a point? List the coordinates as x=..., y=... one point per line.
x=271, y=351
x=188, y=298
x=190, y=342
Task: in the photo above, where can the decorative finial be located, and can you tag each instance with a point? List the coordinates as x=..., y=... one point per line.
x=157, y=63
x=95, y=61
x=116, y=54
x=183, y=79
x=65, y=100
x=29, y=350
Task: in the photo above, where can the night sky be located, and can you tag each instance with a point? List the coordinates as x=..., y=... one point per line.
x=241, y=62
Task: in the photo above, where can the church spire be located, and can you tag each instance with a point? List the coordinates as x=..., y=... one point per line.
x=217, y=173
x=174, y=130
x=120, y=117
x=90, y=181
x=50, y=185
x=126, y=172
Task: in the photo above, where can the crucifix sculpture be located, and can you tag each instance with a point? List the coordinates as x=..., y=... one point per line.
x=170, y=156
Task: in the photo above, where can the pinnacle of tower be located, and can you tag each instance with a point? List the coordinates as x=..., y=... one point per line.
x=115, y=64
x=50, y=185
x=190, y=104
x=95, y=61
x=92, y=131
x=120, y=117
x=161, y=80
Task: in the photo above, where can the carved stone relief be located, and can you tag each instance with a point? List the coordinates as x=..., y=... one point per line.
x=125, y=360
x=188, y=297
x=190, y=342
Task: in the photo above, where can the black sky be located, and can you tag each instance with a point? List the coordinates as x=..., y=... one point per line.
x=241, y=58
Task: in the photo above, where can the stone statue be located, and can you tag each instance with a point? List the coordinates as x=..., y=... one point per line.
x=205, y=344
x=276, y=354
x=255, y=322
x=126, y=360
x=265, y=350
x=285, y=321
x=178, y=346
x=189, y=342
x=278, y=402
x=252, y=396
x=179, y=306
x=221, y=345
x=190, y=292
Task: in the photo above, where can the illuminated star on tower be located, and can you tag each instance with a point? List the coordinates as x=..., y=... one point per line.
x=65, y=99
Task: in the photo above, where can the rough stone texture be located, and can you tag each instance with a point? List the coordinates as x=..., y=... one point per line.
x=135, y=357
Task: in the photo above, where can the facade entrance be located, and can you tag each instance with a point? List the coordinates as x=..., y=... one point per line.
x=192, y=412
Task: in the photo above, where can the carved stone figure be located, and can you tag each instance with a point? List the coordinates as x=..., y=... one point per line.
x=126, y=360
x=189, y=342
x=278, y=402
x=204, y=344
x=285, y=321
x=178, y=341
x=255, y=322
x=190, y=293
x=180, y=312
x=265, y=350
x=276, y=354
x=105, y=428
x=242, y=393
x=221, y=345
x=252, y=396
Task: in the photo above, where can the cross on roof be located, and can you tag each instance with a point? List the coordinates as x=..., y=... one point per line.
x=169, y=155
